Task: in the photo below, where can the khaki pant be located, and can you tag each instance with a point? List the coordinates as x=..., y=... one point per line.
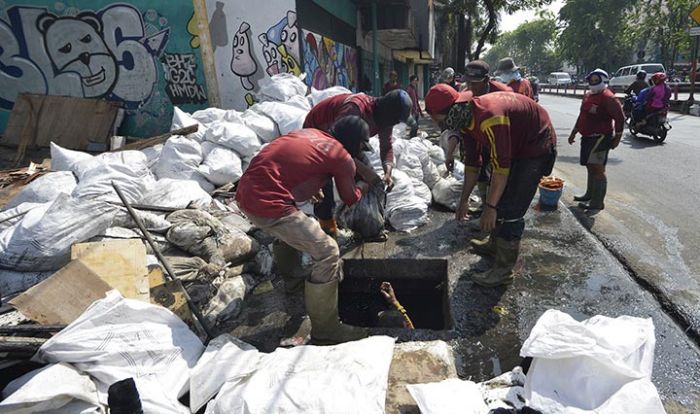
x=305, y=234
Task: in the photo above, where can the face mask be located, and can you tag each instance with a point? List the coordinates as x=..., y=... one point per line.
x=459, y=116
x=597, y=88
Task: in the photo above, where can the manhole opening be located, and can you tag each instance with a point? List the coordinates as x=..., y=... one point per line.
x=420, y=286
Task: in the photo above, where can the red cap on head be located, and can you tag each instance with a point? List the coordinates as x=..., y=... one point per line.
x=441, y=96
x=658, y=77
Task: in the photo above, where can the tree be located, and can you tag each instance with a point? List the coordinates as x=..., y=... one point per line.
x=593, y=33
x=532, y=45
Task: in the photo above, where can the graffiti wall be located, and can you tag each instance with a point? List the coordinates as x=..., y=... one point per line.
x=251, y=40
x=329, y=63
x=143, y=55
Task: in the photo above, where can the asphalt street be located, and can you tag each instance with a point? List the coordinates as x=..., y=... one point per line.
x=651, y=221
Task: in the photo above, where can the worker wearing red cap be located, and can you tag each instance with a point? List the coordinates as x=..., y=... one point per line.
x=293, y=169
x=522, y=145
x=381, y=114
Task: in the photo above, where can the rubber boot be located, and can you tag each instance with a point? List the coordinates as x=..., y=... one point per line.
x=587, y=195
x=485, y=246
x=600, y=187
x=288, y=261
x=322, y=307
x=330, y=227
x=501, y=273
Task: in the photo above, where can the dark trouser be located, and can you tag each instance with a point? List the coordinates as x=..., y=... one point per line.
x=324, y=210
x=522, y=184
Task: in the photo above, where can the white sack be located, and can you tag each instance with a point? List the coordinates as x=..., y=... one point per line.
x=42, y=240
x=346, y=378
x=44, y=189
x=281, y=87
x=235, y=136
x=300, y=102
x=448, y=191
x=133, y=181
x=319, y=95
x=174, y=193
x=180, y=159
x=264, y=127
x=437, y=154
x=451, y=396
x=209, y=116
x=221, y=165
x=12, y=282
x=56, y=387
x=152, y=154
x=287, y=117
x=182, y=119
x=404, y=210
x=63, y=159
x=12, y=216
x=117, y=338
x=228, y=301
x=601, y=365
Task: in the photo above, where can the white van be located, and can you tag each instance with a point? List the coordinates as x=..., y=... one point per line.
x=559, y=78
x=627, y=74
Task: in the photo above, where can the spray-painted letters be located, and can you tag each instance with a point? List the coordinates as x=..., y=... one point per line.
x=180, y=75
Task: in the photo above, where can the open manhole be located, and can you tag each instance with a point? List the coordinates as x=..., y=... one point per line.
x=420, y=286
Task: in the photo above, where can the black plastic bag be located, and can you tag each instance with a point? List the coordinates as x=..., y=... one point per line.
x=366, y=217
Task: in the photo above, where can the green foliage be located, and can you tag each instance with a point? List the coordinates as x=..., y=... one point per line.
x=531, y=45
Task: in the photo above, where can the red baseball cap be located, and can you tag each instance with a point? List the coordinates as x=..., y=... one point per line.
x=442, y=96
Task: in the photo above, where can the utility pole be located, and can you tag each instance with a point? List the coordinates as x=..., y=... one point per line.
x=376, y=88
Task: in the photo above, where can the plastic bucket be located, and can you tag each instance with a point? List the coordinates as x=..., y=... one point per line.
x=550, y=197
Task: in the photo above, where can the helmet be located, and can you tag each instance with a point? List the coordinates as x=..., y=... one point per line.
x=392, y=108
x=658, y=77
x=597, y=76
x=447, y=75
x=352, y=131
x=641, y=75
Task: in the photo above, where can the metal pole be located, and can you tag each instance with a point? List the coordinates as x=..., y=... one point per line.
x=376, y=88
x=168, y=270
x=691, y=99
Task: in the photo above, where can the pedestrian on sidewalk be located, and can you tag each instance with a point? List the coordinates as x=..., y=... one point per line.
x=381, y=114
x=511, y=76
x=416, y=112
x=291, y=169
x=392, y=83
x=448, y=77
x=522, y=145
x=600, y=109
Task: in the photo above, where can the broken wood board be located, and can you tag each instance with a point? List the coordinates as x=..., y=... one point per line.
x=63, y=297
x=75, y=123
x=121, y=263
x=171, y=295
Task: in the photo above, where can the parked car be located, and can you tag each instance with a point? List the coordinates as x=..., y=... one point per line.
x=627, y=74
x=559, y=78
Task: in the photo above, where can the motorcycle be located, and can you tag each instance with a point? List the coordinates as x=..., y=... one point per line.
x=656, y=125
x=628, y=106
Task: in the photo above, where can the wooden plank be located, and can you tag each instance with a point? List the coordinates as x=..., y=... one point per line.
x=70, y=122
x=121, y=263
x=63, y=297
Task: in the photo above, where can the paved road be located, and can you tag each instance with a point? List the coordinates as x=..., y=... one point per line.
x=652, y=220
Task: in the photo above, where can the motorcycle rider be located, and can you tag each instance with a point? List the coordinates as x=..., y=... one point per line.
x=658, y=97
x=639, y=84
x=599, y=110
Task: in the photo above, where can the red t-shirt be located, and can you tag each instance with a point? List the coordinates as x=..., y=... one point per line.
x=293, y=168
x=522, y=87
x=325, y=113
x=496, y=86
x=512, y=126
x=598, y=111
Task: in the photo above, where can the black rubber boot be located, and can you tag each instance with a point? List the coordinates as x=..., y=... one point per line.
x=599, y=189
x=587, y=195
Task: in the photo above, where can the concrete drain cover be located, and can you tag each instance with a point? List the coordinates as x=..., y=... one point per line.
x=420, y=286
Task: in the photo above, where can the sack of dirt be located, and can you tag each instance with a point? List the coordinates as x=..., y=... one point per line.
x=44, y=189
x=199, y=233
x=448, y=191
x=228, y=301
x=182, y=119
x=221, y=165
x=366, y=217
x=180, y=160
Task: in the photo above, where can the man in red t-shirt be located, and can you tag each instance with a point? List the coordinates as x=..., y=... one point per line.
x=511, y=76
x=291, y=169
x=599, y=110
x=392, y=83
x=381, y=114
x=522, y=148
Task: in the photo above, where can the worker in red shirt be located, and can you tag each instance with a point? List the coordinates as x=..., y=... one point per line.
x=291, y=169
x=600, y=109
x=416, y=112
x=392, y=83
x=477, y=80
x=522, y=145
x=381, y=114
x=510, y=74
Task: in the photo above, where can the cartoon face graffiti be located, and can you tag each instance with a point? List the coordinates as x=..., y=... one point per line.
x=289, y=35
x=243, y=64
x=75, y=45
x=289, y=64
x=272, y=56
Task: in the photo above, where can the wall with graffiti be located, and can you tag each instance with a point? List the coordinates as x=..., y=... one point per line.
x=143, y=54
x=251, y=40
x=329, y=63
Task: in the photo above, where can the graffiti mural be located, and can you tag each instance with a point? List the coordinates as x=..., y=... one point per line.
x=250, y=43
x=116, y=52
x=329, y=63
